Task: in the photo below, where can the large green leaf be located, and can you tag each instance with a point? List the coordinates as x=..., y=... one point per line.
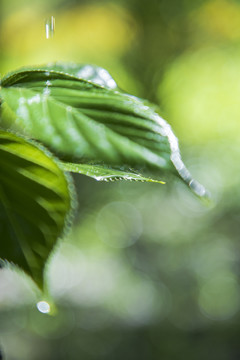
x=82, y=121
x=34, y=204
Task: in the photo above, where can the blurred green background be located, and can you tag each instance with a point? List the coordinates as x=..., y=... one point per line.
x=148, y=272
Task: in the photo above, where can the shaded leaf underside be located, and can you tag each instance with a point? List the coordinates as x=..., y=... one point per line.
x=34, y=204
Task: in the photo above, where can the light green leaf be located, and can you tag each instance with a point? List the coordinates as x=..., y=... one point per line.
x=84, y=122
x=34, y=204
x=104, y=173
x=92, y=73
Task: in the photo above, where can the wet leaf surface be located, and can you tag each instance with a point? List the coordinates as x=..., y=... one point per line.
x=84, y=122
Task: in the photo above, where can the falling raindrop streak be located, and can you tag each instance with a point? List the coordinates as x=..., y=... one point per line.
x=50, y=27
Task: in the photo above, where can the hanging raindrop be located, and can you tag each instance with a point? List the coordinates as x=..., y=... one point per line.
x=43, y=307
x=50, y=27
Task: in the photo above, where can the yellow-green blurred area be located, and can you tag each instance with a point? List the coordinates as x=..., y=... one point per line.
x=148, y=271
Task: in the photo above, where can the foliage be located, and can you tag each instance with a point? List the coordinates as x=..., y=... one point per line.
x=35, y=199
x=93, y=128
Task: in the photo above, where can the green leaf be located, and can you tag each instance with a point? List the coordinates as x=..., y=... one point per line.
x=84, y=122
x=34, y=204
x=93, y=73
x=104, y=173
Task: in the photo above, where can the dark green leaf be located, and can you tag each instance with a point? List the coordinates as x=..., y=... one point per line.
x=34, y=204
x=83, y=122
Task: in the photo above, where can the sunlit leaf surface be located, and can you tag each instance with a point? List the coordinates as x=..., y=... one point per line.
x=104, y=173
x=93, y=73
x=83, y=121
x=34, y=204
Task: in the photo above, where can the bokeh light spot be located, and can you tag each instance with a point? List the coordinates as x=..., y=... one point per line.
x=119, y=224
x=219, y=297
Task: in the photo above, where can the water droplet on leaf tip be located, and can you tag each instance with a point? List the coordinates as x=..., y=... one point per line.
x=43, y=307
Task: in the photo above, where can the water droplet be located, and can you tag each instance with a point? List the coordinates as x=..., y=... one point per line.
x=86, y=72
x=197, y=188
x=50, y=27
x=43, y=307
x=35, y=99
x=46, y=91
